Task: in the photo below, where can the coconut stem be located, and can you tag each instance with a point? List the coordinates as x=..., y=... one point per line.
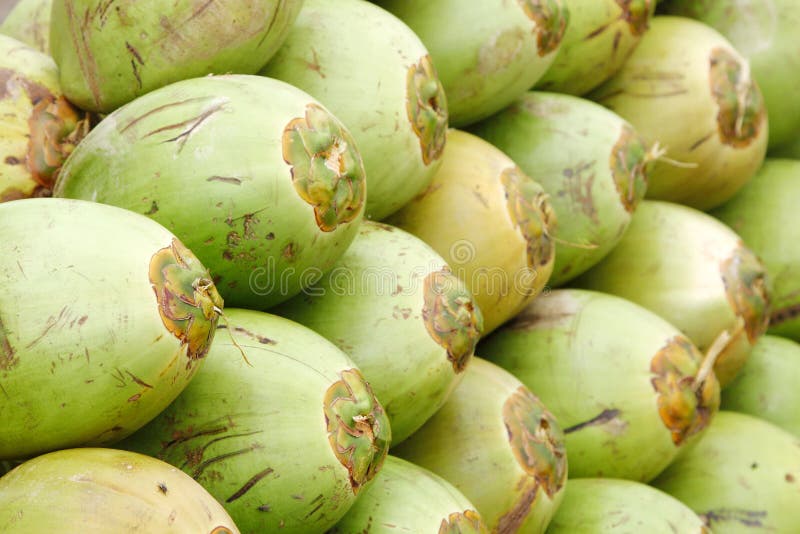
x=219, y=312
x=713, y=352
x=659, y=153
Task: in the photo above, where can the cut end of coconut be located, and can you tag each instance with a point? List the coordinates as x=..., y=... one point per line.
x=637, y=14
x=630, y=161
x=467, y=522
x=742, y=114
x=551, y=17
x=745, y=280
x=426, y=105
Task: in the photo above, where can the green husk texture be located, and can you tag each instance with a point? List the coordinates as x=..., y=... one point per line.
x=742, y=477
x=109, y=53
x=284, y=439
x=255, y=176
x=29, y=22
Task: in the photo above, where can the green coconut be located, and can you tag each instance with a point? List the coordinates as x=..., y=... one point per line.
x=743, y=477
x=764, y=32
x=764, y=214
x=490, y=222
x=628, y=388
x=106, y=491
x=607, y=505
x=394, y=306
x=409, y=498
x=29, y=22
x=109, y=53
x=255, y=176
x=285, y=443
x=105, y=317
x=592, y=164
x=600, y=36
x=379, y=80
x=38, y=127
x=487, y=53
x=686, y=87
x=498, y=445
x=694, y=272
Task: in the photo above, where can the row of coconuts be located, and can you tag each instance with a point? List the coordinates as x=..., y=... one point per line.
x=211, y=293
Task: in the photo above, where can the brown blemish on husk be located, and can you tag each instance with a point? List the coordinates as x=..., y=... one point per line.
x=512, y=521
x=551, y=18
x=744, y=277
x=426, y=106
x=629, y=165
x=188, y=302
x=685, y=407
x=221, y=530
x=742, y=113
x=8, y=355
x=451, y=316
x=358, y=429
x=467, y=522
x=532, y=215
x=601, y=419
x=327, y=171
x=785, y=314
x=636, y=13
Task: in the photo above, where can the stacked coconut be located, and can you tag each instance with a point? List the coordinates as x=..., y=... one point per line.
x=340, y=266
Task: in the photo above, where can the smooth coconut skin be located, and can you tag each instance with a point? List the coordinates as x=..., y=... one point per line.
x=683, y=68
x=285, y=439
x=409, y=498
x=490, y=222
x=379, y=80
x=38, y=127
x=498, y=445
x=508, y=46
x=106, y=491
x=393, y=305
x=764, y=32
x=110, y=53
x=766, y=387
x=29, y=22
x=99, y=334
x=742, y=477
x=591, y=162
x=599, y=37
x=694, y=272
x=605, y=505
x=628, y=392
x=255, y=176
x=764, y=214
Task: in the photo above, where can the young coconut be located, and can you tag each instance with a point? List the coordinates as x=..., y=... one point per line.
x=764, y=214
x=600, y=36
x=96, y=491
x=255, y=176
x=394, y=306
x=392, y=103
x=110, y=54
x=98, y=335
x=411, y=499
x=694, y=272
x=508, y=47
x=766, y=34
x=686, y=87
x=38, y=127
x=490, y=222
x=628, y=388
x=742, y=477
x=592, y=164
x=613, y=506
x=498, y=445
x=29, y=22
x=282, y=455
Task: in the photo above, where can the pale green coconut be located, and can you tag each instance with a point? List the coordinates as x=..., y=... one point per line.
x=280, y=427
x=590, y=162
x=600, y=36
x=764, y=214
x=112, y=52
x=38, y=127
x=764, y=32
x=408, y=498
x=498, y=445
x=629, y=390
x=106, y=491
x=394, y=306
x=105, y=317
x=696, y=273
x=377, y=77
x=29, y=22
x=607, y=505
x=487, y=53
x=686, y=87
x=491, y=223
x=255, y=176
x=743, y=477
